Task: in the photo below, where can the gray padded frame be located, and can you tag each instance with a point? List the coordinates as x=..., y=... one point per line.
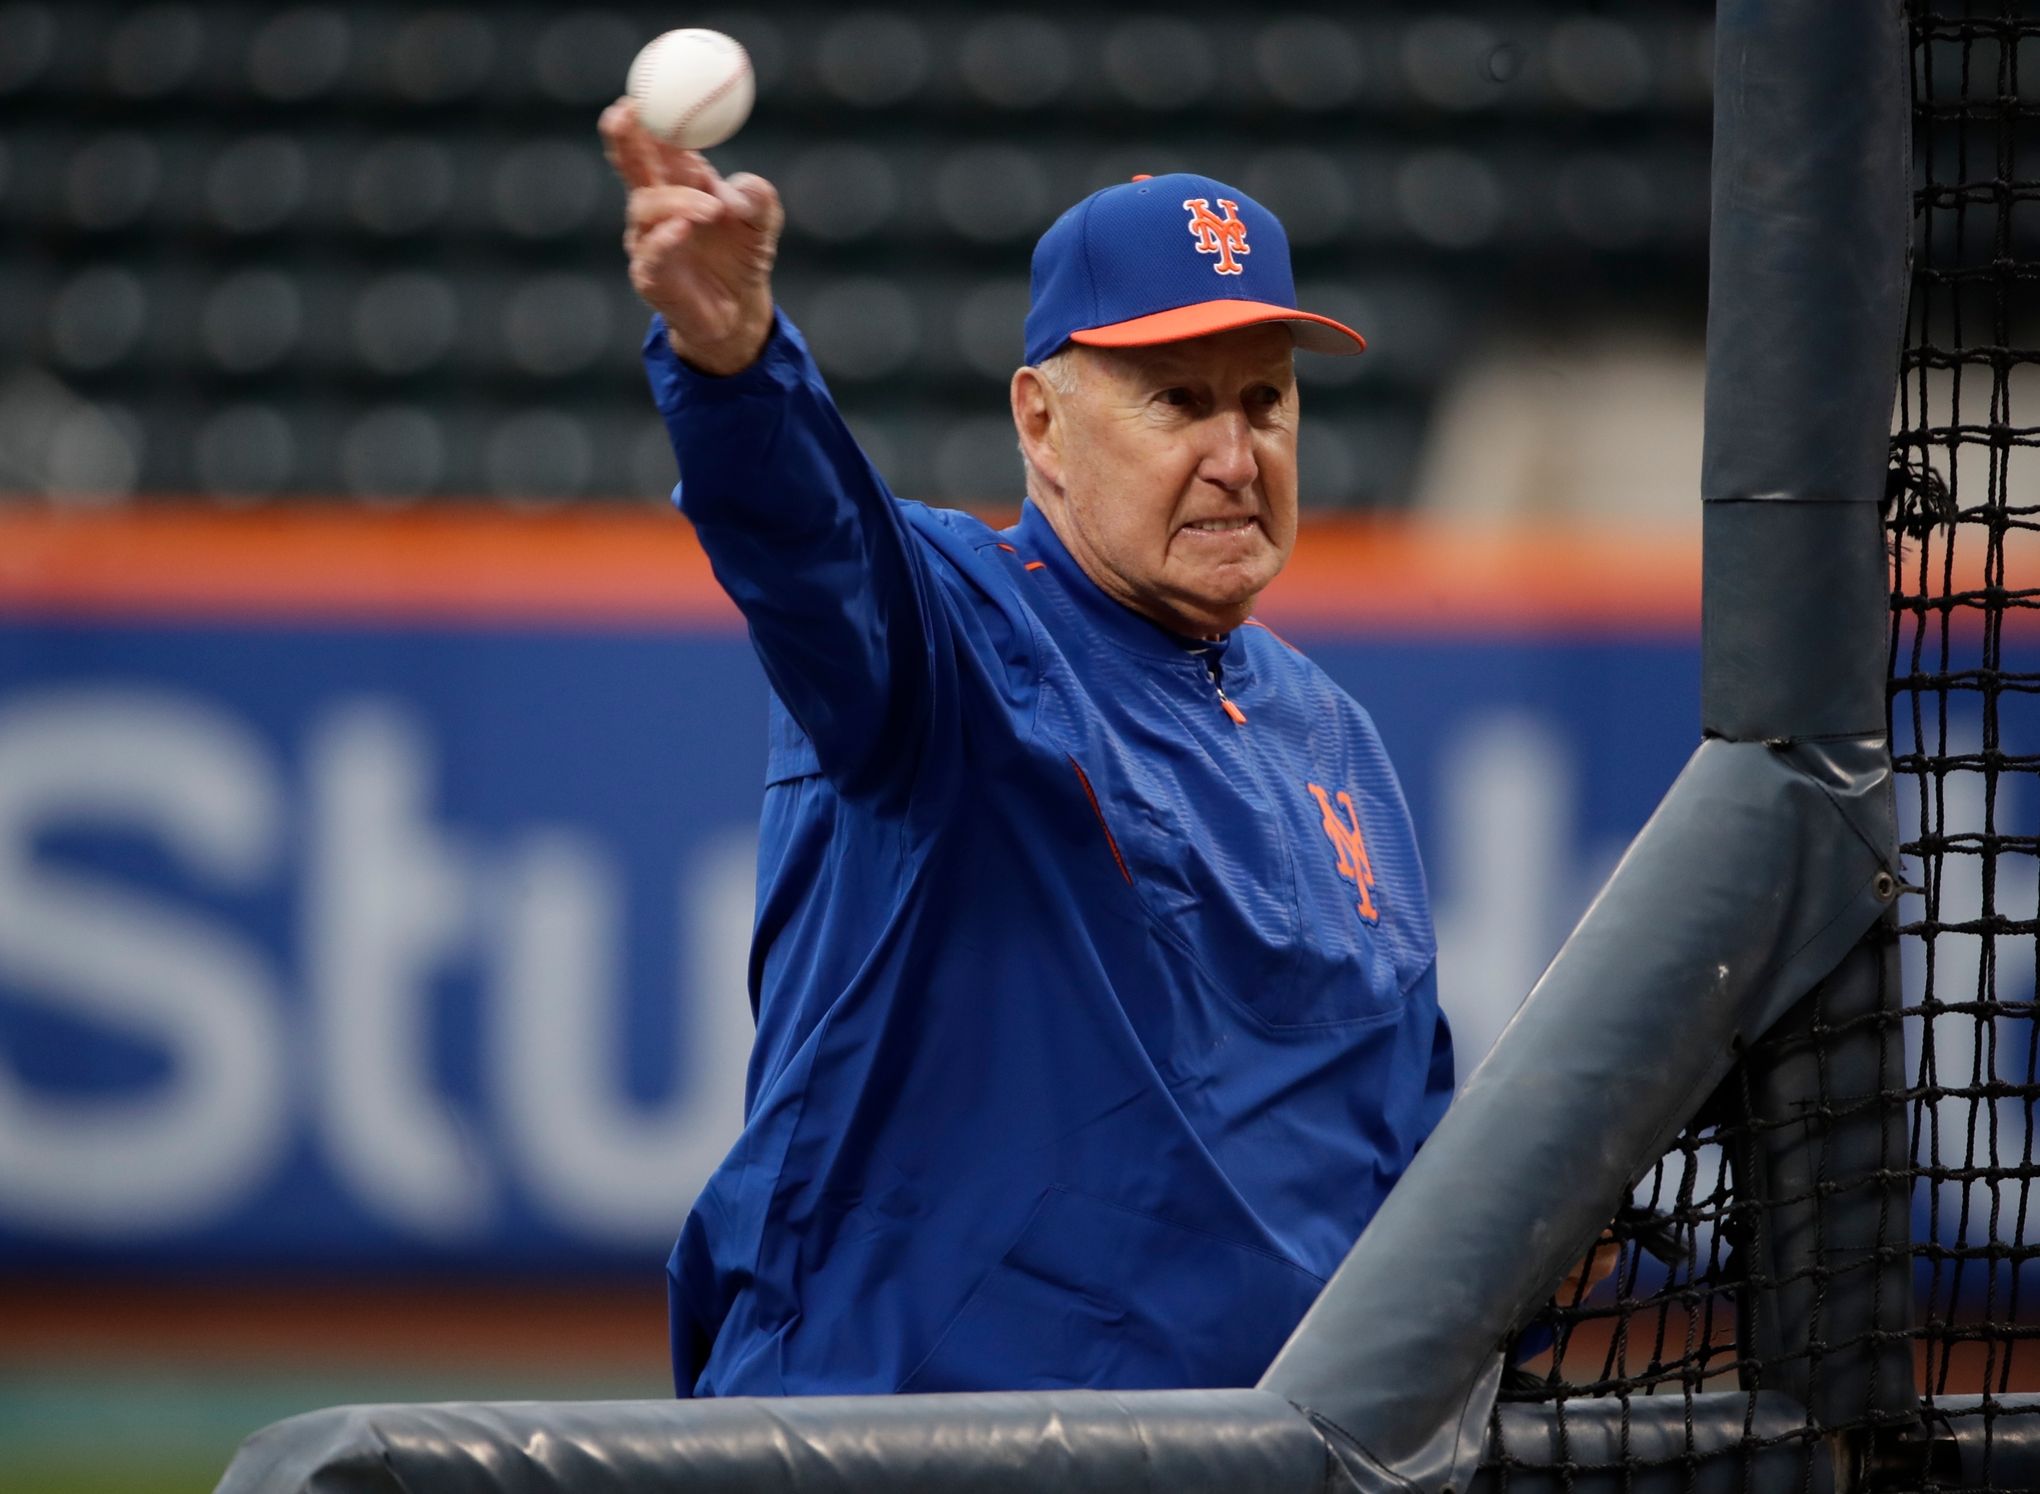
x=1756, y=879
x=1073, y=1442
x=1156, y=1442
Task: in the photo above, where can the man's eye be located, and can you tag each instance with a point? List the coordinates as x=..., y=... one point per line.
x=1267, y=395
x=1178, y=396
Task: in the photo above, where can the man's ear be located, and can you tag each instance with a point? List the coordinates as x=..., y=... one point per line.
x=1038, y=420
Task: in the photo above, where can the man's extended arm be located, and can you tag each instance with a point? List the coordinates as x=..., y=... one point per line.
x=802, y=532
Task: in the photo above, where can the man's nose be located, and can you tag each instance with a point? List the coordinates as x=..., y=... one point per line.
x=1229, y=460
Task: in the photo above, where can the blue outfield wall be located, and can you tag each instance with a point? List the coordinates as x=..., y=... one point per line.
x=375, y=890
x=399, y=946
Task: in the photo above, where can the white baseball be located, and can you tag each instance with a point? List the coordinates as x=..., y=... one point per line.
x=692, y=87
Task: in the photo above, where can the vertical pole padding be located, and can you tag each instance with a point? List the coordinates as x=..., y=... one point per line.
x=1807, y=279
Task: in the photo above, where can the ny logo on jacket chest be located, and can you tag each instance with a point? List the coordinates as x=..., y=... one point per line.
x=1346, y=838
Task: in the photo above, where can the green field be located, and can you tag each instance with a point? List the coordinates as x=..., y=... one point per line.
x=159, y=1430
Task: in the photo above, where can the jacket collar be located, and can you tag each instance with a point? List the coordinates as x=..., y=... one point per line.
x=1035, y=538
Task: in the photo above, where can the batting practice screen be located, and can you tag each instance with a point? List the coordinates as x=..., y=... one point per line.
x=1960, y=1049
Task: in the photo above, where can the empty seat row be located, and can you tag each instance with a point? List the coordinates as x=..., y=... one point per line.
x=1529, y=56
x=396, y=453
x=955, y=337
x=556, y=192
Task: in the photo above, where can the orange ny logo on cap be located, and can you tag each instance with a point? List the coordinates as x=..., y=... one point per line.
x=1224, y=237
x=1352, y=847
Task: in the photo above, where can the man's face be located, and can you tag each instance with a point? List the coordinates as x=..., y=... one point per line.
x=1174, y=473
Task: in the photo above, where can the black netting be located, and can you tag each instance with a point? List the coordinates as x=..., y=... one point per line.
x=1965, y=699
x=1665, y=1319
x=1672, y=1320
x=1855, y=1216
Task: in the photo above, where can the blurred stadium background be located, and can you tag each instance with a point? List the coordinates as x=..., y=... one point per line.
x=368, y=251
x=372, y=996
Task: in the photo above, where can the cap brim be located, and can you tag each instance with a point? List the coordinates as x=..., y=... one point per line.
x=1314, y=333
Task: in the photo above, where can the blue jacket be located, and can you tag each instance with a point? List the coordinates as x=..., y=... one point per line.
x=1093, y=1022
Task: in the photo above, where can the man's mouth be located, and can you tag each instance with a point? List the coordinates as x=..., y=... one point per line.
x=1221, y=526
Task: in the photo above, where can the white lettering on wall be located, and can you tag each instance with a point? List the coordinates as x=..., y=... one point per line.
x=1506, y=796
x=387, y=908
x=605, y=1167
x=395, y=905
x=197, y=783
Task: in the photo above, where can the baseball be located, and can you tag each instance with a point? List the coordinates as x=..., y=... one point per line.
x=692, y=87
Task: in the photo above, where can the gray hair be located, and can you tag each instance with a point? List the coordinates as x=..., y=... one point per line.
x=1059, y=371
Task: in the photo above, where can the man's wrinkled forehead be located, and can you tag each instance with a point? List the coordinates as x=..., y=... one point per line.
x=1264, y=350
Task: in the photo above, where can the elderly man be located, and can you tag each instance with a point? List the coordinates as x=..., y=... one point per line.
x=1093, y=971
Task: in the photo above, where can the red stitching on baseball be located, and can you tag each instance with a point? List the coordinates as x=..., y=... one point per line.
x=713, y=94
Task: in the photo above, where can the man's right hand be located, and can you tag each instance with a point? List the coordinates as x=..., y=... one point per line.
x=701, y=247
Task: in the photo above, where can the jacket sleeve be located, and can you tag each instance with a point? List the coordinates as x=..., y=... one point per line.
x=809, y=543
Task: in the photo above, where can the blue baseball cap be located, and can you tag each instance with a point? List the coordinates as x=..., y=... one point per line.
x=1162, y=258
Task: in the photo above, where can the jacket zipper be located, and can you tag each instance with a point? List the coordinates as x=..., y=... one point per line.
x=1239, y=717
x=1251, y=760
